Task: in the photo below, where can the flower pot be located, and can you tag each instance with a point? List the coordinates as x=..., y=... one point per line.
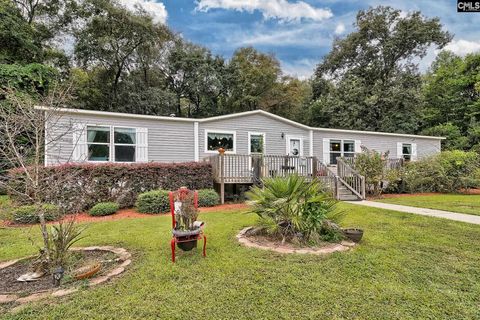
x=187, y=245
x=353, y=234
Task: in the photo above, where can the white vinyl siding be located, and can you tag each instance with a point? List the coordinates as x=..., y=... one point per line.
x=391, y=144
x=273, y=129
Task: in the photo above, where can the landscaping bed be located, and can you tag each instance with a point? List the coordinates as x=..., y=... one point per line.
x=9, y=275
x=87, y=266
x=252, y=239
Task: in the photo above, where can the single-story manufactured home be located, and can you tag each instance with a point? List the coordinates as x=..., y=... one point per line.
x=97, y=136
x=75, y=135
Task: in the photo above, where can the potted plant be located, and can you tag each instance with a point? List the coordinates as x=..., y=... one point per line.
x=187, y=227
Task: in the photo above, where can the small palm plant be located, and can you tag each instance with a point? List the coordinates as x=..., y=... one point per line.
x=293, y=207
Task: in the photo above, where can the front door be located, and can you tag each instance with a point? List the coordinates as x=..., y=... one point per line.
x=294, y=147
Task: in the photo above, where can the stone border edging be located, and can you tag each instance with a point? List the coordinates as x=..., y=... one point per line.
x=123, y=257
x=336, y=247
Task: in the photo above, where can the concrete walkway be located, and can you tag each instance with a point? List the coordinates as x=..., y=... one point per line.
x=469, y=218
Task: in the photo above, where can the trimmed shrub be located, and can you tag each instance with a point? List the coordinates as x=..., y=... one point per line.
x=208, y=198
x=104, y=209
x=28, y=214
x=155, y=201
x=112, y=182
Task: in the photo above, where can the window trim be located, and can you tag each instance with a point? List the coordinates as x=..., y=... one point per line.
x=207, y=131
x=342, y=147
x=253, y=133
x=405, y=154
x=99, y=143
x=112, y=139
x=111, y=145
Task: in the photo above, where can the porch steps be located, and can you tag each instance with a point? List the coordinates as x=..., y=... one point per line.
x=347, y=195
x=344, y=194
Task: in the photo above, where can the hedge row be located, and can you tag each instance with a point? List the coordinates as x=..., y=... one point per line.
x=89, y=184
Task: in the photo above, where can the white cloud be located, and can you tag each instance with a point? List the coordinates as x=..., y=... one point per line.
x=305, y=36
x=271, y=9
x=463, y=47
x=156, y=9
x=340, y=29
x=302, y=69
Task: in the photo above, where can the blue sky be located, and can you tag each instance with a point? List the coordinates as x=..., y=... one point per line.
x=299, y=33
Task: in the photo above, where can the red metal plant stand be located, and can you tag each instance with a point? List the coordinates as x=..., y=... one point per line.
x=182, y=193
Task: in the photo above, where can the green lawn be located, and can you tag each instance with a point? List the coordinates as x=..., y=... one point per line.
x=407, y=267
x=450, y=202
x=4, y=205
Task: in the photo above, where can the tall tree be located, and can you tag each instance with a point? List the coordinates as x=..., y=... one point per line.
x=195, y=76
x=111, y=39
x=451, y=95
x=369, y=80
x=253, y=76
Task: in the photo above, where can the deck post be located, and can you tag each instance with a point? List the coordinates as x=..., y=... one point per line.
x=363, y=188
x=314, y=167
x=221, y=154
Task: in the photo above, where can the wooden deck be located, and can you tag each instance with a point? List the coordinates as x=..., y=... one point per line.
x=251, y=169
x=344, y=181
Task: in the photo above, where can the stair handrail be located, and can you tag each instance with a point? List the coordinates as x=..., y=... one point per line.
x=322, y=167
x=351, y=178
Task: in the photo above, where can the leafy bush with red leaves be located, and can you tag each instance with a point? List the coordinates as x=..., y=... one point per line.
x=84, y=185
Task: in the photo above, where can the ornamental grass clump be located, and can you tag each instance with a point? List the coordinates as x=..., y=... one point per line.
x=295, y=209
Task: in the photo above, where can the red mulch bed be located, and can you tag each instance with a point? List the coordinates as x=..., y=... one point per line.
x=132, y=213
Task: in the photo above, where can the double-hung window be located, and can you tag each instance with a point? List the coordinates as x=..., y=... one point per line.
x=341, y=148
x=125, y=144
x=407, y=151
x=98, y=140
x=111, y=144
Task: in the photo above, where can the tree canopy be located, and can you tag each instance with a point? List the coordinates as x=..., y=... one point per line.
x=116, y=59
x=369, y=81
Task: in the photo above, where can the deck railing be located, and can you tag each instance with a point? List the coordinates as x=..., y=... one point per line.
x=350, y=178
x=238, y=168
x=390, y=163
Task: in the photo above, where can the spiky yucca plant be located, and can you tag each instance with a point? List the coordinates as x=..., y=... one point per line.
x=292, y=207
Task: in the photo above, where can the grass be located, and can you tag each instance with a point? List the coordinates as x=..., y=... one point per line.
x=407, y=267
x=450, y=202
x=4, y=206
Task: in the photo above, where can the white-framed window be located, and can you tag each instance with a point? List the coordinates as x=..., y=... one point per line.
x=407, y=151
x=98, y=143
x=125, y=144
x=216, y=139
x=256, y=143
x=335, y=148
x=341, y=148
x=111, y=144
